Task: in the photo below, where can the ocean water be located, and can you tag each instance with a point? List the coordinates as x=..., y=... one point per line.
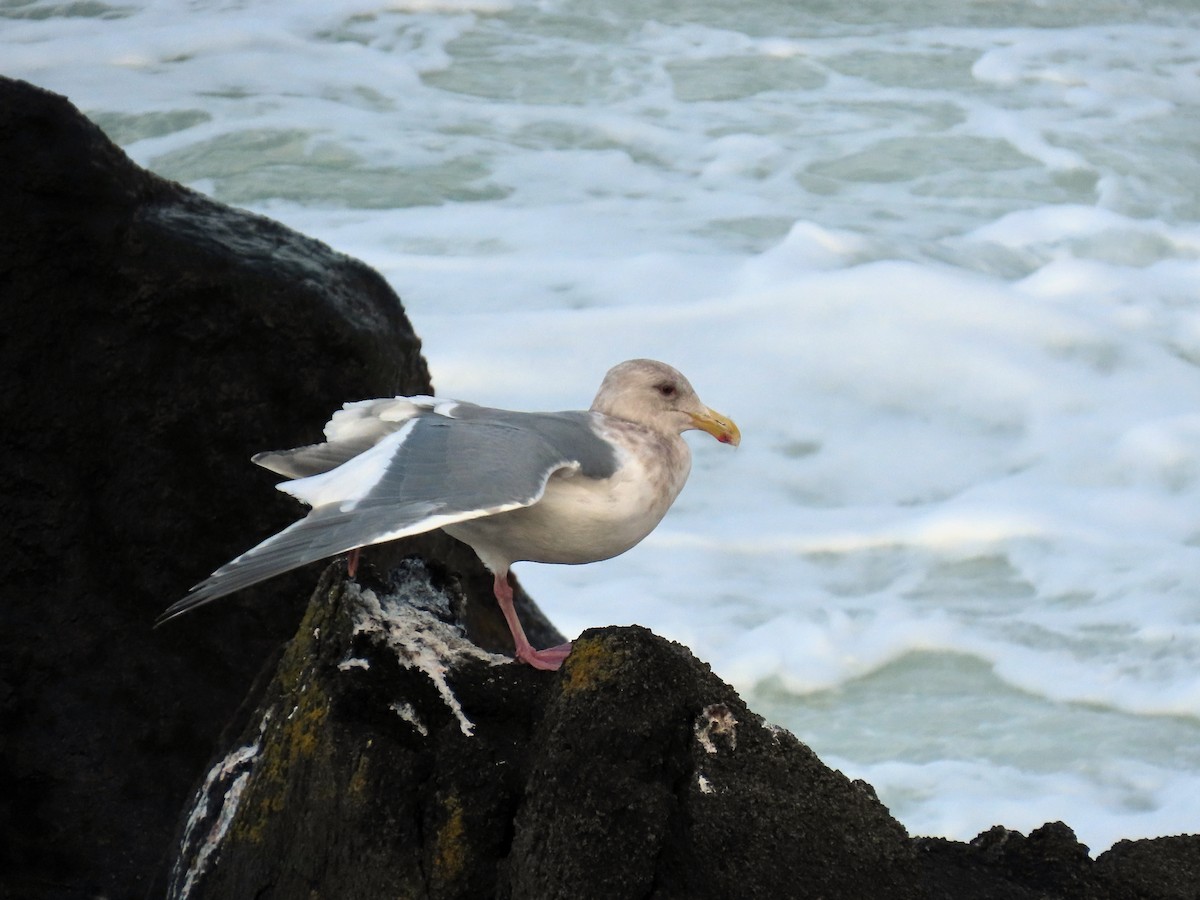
x=940, y=260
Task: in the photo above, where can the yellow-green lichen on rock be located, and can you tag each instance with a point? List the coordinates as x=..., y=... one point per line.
x=296, y=735
x=593, y=662
x=450, y=843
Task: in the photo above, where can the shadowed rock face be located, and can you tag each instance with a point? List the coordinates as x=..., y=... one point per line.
x=152, y=341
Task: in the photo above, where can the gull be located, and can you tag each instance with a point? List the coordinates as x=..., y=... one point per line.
x=559, y=487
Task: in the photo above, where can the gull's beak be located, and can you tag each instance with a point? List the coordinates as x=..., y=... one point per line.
x=718, y=426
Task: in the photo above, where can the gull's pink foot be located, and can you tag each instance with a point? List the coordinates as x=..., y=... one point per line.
x=548, y=660
x=352, y=561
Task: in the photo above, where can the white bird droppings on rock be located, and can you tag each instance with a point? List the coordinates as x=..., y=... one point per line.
x=716, y=722
x=420, y=641
x=242, y=759
x=408, y=713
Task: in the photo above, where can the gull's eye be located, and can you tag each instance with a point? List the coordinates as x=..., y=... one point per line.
x=666, y=389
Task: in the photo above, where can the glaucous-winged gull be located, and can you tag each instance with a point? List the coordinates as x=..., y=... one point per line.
x=563, y=487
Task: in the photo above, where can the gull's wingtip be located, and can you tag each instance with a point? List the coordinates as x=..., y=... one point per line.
x=178, y=608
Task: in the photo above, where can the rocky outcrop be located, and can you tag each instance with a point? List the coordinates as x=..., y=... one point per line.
x=393, y=758
x=153, y=340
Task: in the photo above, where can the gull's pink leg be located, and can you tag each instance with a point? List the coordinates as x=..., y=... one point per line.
x=549, y=659
x=352, y=561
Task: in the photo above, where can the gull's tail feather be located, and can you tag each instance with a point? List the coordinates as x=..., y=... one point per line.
x=323, y=533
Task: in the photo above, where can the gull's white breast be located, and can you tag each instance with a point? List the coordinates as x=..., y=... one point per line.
x=581, y=519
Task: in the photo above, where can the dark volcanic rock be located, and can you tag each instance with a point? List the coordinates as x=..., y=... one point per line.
x=1165, y=868
x=1050, y=864
x=392, y=758
x=153, y=340
x=650, y=778
x=1001, y=864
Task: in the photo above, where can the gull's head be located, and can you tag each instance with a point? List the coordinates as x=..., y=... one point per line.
x=654, y=394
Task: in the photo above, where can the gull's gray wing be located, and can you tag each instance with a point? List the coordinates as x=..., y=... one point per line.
x=442, y=465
